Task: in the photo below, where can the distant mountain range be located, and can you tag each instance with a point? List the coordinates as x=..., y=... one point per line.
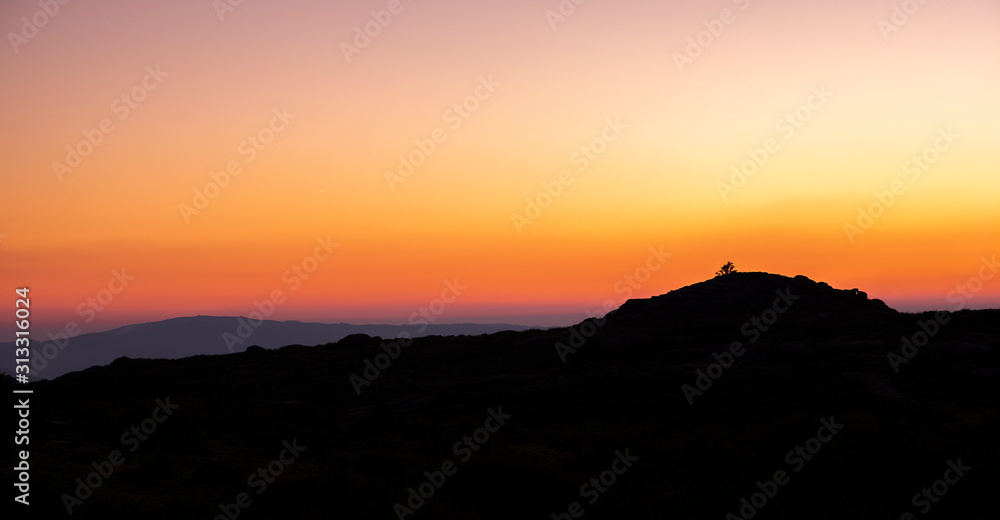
x=211, y=335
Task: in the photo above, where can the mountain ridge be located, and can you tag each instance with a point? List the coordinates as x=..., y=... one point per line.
x=377, y=415
x=689, y=306
x=173, y=338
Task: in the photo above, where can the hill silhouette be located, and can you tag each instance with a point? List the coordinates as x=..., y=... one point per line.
x=705, y=391
x=212, y=335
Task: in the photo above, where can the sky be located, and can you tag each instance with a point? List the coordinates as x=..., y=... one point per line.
x=528, y=162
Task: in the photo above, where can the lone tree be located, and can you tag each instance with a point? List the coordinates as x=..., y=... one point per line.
x=727, y=268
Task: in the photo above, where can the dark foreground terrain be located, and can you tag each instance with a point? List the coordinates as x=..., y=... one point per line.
x=792, y=410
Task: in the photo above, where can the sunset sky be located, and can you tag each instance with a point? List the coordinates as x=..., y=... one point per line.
x=646, y=123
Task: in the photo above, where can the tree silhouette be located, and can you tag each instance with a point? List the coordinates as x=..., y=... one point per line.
x=727, y=268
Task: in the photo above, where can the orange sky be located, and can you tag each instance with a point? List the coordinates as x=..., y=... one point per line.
x=642, y=125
